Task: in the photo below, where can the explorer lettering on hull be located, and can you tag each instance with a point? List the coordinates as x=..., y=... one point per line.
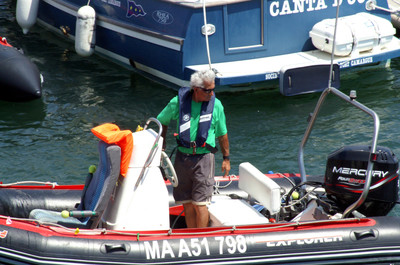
x=305, y=241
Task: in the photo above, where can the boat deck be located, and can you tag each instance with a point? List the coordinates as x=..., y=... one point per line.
x=269, y=68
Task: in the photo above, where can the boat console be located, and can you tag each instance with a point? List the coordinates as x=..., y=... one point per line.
x=141, y=199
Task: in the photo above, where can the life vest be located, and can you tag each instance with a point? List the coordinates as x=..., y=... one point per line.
x=111, y=134
x=185, y=106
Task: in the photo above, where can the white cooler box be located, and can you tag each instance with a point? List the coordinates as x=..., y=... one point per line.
x=355, y=33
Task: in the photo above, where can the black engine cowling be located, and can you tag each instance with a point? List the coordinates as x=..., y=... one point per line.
x=345, y=177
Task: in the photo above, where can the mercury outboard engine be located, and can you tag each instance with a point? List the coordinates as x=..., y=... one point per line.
x=345, y=174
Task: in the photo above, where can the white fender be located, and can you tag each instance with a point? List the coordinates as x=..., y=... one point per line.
x=27, y=14
x=85, y=36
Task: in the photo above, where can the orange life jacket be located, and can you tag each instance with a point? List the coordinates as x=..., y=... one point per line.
x=111, y=134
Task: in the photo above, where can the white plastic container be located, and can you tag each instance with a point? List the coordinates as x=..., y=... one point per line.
x=384, y=29
x=260, y=187
x=356, y=33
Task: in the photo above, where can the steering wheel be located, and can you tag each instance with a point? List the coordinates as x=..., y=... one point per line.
x=169, y=170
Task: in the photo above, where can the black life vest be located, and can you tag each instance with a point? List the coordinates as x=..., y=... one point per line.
x=185, y=105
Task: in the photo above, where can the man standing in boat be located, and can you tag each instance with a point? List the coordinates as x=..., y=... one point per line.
x=201, y=119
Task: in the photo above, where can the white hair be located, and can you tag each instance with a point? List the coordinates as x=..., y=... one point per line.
x=200, y=77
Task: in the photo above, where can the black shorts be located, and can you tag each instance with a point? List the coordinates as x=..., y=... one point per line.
x=196, y=178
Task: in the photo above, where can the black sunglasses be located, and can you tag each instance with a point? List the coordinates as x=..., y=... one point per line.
x=208, y=91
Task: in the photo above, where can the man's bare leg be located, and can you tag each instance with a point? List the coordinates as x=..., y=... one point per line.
x=202, y=215
x=190, y=215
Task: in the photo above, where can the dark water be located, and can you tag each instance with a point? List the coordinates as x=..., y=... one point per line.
x=50, y=138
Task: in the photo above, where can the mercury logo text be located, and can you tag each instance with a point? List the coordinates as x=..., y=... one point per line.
x=359, y=172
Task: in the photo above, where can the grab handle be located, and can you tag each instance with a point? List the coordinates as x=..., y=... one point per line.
x=152, y=151
x=350, y=99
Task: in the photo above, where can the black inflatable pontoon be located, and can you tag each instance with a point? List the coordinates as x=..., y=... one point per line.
x=20, y=79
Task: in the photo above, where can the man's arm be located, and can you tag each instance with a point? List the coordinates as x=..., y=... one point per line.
x=224, y=145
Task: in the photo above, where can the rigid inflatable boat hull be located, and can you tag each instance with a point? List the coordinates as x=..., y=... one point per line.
x=23, y=241
x=354, y=240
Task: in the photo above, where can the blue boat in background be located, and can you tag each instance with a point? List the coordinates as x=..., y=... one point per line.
x=247, y=42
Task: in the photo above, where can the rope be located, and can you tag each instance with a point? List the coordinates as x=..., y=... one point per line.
x=372, y=5
x=53, y=184
x=333, y=48
x=217, y=184
x=287, y=178
x=206, y=34
x=103, y=231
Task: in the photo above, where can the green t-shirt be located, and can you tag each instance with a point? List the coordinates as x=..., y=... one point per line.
x=217, y=128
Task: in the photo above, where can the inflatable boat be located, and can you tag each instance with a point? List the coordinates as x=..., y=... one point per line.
x=124, y=213
x=20, y=79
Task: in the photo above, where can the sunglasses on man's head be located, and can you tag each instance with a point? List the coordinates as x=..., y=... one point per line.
x=208, y=91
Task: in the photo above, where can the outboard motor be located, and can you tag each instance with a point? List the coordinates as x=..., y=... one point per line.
x=345, y=174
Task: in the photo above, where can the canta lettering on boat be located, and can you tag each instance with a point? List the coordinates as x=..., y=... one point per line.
x=359, y=172
x=194, y=247
x=305, y=241
x=280, y=8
